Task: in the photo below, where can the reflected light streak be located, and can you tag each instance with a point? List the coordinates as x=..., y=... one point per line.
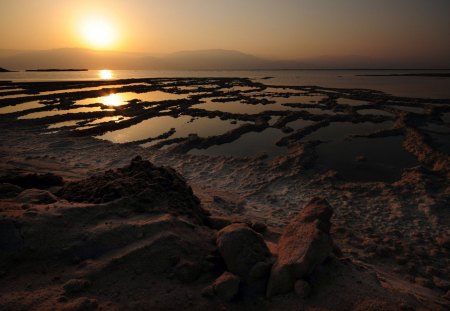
x=105, y=74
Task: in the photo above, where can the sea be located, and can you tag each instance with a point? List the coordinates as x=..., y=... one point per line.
x=405, y=86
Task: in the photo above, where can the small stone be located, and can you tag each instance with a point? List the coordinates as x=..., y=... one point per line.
x=208, y=291
x=62, y=299
x=9, y=190
x=260, y=270
x=226, y=286
x=187, y=271
x=81, y=304
x=218, y=223
x=447, y=295
x=441, y=283
x=36, y=196
x=302, y=289
x=423, y=282
x=361, y=158
x=75, y=286
x=258, y=226
x=444, y=242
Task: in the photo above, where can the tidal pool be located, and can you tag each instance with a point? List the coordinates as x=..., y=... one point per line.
x=249, y=144
x=183, y=125
x=341, y=130
x=366, y=159
x=55, y=112
x=243, y=108
x=375, y=112
x=351, y=102
x=119, y=99
x=21, y=107
x=410, y=109
x=299, y=124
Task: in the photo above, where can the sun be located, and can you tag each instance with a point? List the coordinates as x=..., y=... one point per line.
x=98, y=33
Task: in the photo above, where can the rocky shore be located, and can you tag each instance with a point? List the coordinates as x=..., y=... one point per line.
x=88, y=224
x=138, y=238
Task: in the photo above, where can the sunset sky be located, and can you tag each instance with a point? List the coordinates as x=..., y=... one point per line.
x=294, y=29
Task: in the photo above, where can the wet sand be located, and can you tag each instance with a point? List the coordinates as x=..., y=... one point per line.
x=391, y=232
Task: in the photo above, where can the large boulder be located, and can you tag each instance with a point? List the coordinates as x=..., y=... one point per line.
x=242, y=248
x=305, y=243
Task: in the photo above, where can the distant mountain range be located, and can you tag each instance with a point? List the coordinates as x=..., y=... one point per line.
x=184, y=60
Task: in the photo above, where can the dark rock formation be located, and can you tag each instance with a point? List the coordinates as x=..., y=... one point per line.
x=305, y=243
x=146, y=186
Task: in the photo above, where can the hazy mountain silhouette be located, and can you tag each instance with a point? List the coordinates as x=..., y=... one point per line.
x=184, y=60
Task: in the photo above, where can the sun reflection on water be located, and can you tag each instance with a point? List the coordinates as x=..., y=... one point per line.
x=105, y=74
x=113, y=100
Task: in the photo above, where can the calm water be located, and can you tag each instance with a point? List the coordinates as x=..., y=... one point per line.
x=399, y=86
x=355, y=158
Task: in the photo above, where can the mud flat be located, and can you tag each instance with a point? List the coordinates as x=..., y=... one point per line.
x=171, y=218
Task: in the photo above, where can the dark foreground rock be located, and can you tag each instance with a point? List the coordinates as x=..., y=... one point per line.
x=145, y=186
x=226, y=286
x=242, y=248
x=305, y=243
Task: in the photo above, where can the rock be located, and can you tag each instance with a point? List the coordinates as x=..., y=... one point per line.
x=444, y=242
x=38, y=181
x=260, y=270
x=441, y=283
x=258, y=226
x=447, y=295
x=208, y=291
x=375, y=305
x=9, y=190
x=36, y=196
x=302, y=289
x=75, y=286
x=10, y=238
x=188, y=271
x=217, y=222
x=226, y=286
x=81, y=304
x=146, y=188
x=241, y=248
x=304, y=244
